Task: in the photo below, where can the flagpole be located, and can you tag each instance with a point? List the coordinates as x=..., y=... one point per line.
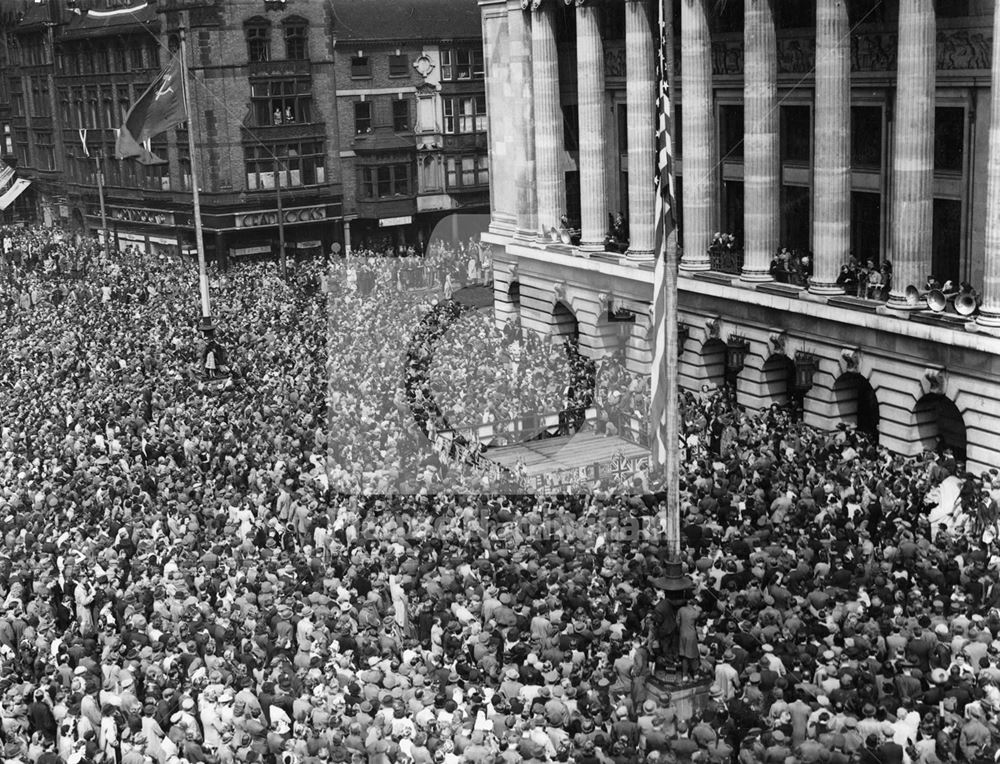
x=670, y=274
x=206, y=305
x=279, y=169
x=100, y=194
x=99, y=167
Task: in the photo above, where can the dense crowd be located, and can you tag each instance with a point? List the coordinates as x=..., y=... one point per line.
x=513, y=375
x=266, y=570
x=445, y=265
x=623, y=397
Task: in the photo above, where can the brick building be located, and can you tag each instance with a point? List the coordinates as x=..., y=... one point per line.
x=264, y=115
x=412, y=104
x=10, y=15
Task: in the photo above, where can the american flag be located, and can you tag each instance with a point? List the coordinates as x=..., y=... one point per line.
x=662, y=394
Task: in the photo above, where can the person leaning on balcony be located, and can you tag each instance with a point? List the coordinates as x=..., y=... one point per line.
x=848, y=278
x=618, y=233
x=875, y=282
x=779, y=266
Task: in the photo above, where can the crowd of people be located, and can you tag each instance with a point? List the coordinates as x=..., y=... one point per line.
x=623, y=398
x=271, y=570
x=865, y=279
x=445, y=265
x=482, y=374
x=792, y=266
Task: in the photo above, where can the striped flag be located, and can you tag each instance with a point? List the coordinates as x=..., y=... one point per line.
x=662, y=392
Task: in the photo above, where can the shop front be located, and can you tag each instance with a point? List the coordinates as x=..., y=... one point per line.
x=309, y=232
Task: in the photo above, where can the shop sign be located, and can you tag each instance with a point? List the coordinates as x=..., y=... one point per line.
x=139, y=215
x=389, y=222
x=270, y=217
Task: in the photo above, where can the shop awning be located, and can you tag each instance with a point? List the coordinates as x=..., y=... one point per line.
x=13, y=192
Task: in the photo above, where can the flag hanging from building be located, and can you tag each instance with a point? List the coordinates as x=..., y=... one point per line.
x=6, y=175
x=13, y=192
x=160, y=108
x=664, y=226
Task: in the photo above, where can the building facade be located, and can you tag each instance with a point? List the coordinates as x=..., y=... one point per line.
x=412, y=103
x=11, y=12
x=264, y=116
x=845, y=128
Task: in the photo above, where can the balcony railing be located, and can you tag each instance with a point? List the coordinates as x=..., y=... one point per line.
x=726, y=260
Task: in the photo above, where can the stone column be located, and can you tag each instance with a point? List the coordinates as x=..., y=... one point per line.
x=832, y=136
x=761, y=161
x=519, y=24
x=699, y=174
x=641, y=86
x=989, y=311
x=549, y=181
x=593, y=132
x=913, y=163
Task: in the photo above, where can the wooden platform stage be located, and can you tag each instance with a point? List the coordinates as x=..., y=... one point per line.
x=561, y=454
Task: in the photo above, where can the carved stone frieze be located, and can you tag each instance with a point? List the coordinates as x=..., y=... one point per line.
x=934, y=381
x=872, y=52
x=614, y=60
x=850, y=360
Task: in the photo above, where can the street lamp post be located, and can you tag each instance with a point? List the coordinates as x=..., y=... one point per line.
x=805, y=368
x=736, y=352
x=99, y=165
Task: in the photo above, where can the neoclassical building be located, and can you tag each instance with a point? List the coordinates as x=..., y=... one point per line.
x=841, y=128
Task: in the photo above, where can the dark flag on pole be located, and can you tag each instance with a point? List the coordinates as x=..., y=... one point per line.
x=662, y=395
x=160, y=108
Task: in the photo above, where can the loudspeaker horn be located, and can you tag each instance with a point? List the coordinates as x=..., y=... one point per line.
x=912, y=295
x=936, y=300
x=965, y=304
x=566, y=238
